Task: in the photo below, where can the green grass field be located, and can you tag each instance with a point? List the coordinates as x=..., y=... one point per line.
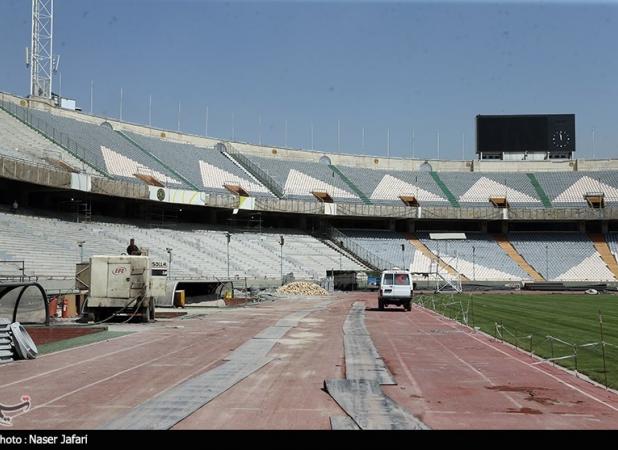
x=539, y=323
x=78, y=341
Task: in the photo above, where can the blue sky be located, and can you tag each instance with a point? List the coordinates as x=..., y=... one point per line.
x=375, y=65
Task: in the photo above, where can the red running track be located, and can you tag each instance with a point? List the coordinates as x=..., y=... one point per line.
x=452, y=377
x=448, y=375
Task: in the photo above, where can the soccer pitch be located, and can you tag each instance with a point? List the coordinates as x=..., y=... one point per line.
x=564, y=327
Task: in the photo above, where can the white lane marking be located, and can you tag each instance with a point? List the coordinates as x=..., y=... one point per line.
x=470, y=366
x=575, y=388
x=94, y=383
x=82, y=362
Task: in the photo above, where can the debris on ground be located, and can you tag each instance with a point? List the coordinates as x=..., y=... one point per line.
x=15, y=342
x=302, y=288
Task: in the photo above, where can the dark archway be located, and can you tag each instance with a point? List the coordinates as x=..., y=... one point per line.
x=325, y=160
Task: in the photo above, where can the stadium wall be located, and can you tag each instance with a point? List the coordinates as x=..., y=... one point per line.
x=24, y=171
x=360, y=161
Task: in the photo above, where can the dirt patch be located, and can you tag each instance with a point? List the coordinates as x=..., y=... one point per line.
x=238, y=301
x=542, y=400
x=529, y=389
x=169, y=314
x=524, y=411
x=445, y=331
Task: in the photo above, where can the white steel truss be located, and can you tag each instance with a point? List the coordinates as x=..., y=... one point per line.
x=41, y=59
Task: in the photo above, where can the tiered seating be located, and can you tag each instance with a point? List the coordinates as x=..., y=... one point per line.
x=186, y=166
x=478, y=257
x=107, y=150
x=300, y=178
x=572, y=256
x=567, y=256
x=309, y=251
x=423, y=264
x=383, y=186
x=8, y=268
x=468, y=188
x=475, y=189
x=386, y=245
x=567, y=189
x=49, y=248
x=204, y=167
x=612, y=241
x=19, y=141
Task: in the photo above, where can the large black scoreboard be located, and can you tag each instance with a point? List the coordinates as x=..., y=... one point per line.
x=552, y=134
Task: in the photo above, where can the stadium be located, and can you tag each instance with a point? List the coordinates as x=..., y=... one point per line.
x=513, y=255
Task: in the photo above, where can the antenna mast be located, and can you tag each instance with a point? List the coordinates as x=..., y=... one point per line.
x=40, y=58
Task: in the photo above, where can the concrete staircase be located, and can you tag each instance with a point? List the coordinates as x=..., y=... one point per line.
x=449, y=195
x=251, y=168
x=352, y=186
x=340, y=249
x=508, y=248
x=539, y=190
x=429, y=254
x=153, y=156
x=600, y=244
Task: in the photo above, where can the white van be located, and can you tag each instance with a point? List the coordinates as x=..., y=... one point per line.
x=396, y=288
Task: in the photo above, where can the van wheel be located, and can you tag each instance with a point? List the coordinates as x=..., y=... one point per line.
x=408, y=306
x=381, y=305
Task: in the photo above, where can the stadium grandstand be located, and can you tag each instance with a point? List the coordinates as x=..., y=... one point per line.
x=107, y=180
x=159, y=277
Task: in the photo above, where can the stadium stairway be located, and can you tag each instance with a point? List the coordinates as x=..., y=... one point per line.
x=449, y=195
x=351, y=185
x=429, y=254
x=252, y=169
x=343, y=251
x=601, y=246
x=508, y=248
x=51, y=133
x=153, y=156
x=539, y=190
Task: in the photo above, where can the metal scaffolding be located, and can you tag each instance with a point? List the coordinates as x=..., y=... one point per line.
x=40, y=57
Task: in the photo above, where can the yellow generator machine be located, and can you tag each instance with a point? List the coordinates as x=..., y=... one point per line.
x=125, y=286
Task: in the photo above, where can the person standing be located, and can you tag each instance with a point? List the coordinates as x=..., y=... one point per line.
x=133, y=249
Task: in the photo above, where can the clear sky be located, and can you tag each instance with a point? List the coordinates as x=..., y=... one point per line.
x=400, y=66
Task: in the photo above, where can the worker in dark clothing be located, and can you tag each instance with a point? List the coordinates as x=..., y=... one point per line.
x=133, y=249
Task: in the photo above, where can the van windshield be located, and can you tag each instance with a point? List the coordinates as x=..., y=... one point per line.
x=388, y=278
x=402, y=279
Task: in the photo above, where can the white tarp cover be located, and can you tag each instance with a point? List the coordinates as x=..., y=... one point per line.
x=447, y=236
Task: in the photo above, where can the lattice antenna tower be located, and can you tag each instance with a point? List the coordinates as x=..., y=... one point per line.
x=39, y=56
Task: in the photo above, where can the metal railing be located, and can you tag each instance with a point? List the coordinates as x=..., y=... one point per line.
x=19, y=265
x=60, y=138
x=255, y=169
x=30, y=171
x=564, y=213
x=587, y=351
x=364, y=255
x=22, y=170
x=450, y=212
x=364, y=210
